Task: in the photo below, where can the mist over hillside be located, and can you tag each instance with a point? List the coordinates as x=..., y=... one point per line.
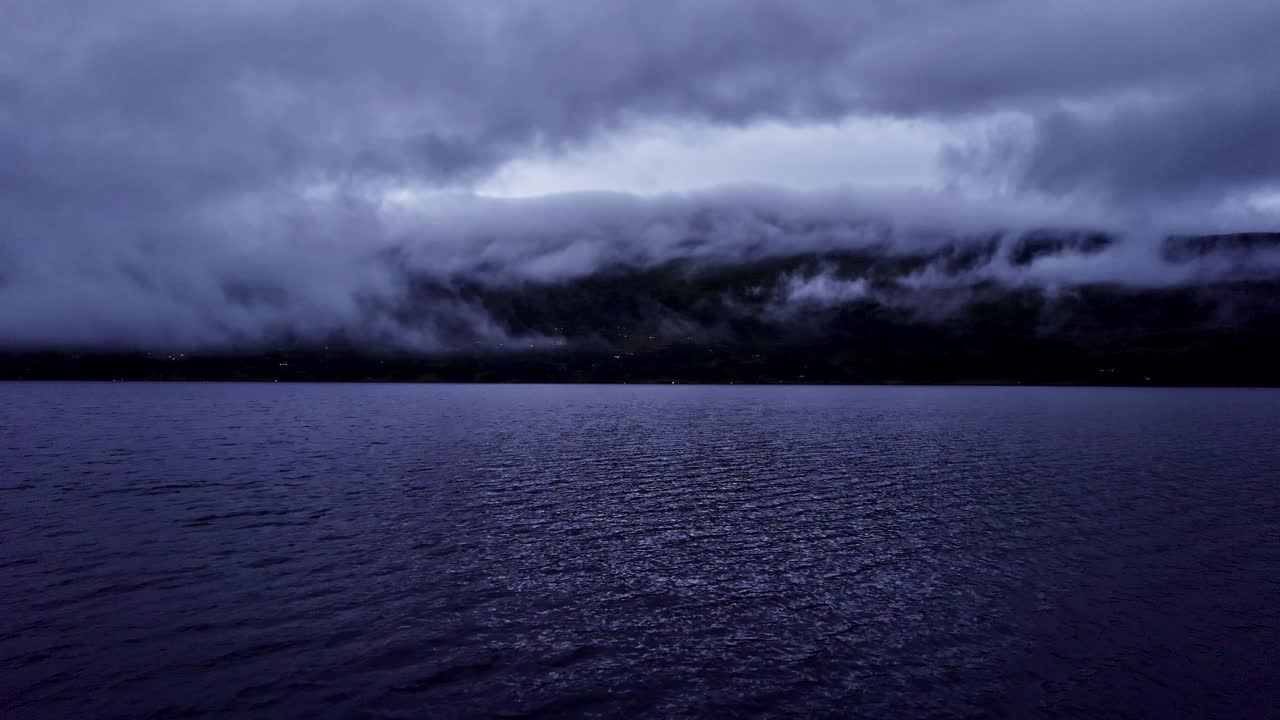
x=744, y=286
x=609, y=271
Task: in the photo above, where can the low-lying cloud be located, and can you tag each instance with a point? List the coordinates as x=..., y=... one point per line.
x=417, y=277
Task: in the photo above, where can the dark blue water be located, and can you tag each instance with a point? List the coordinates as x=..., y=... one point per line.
x=336, y=551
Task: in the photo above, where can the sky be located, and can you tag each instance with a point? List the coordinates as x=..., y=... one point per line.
x=155, y=150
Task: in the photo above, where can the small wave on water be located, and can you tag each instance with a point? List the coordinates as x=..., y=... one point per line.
x=307, y=551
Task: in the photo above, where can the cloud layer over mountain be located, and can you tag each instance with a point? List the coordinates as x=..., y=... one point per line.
x=178, y=173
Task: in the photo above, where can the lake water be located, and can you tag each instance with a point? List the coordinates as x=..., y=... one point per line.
x=338, y=551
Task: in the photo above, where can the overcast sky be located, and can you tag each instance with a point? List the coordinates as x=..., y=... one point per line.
x=249, y=126
x=142, y=102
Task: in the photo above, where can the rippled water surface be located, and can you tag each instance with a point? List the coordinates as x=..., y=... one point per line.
x=335, y=551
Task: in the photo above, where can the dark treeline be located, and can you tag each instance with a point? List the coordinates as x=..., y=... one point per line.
x=991, y=343
x=1205, y=360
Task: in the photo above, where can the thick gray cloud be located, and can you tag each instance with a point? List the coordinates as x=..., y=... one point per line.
x=1206, y=144
x=194, y=148
x=174, y=102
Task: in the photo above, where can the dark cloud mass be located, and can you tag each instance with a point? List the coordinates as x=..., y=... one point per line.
x=181, y=173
